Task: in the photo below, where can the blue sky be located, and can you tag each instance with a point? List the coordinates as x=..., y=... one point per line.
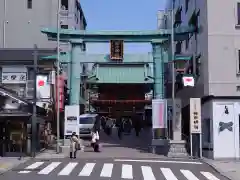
x=121, y=15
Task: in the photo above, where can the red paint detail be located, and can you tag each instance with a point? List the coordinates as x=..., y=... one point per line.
x=41, y=83
x=188, y=79
x=161, y=123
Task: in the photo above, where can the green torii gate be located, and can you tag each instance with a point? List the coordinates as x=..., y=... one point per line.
x=158, y=39
x=78, y=38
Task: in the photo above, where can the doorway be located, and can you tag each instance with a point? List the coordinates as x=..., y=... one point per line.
x=2, y=138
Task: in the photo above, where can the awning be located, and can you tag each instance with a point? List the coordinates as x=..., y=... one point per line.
x=64, y=58
x=5, y=92
x=182, y=57
x=14, y=114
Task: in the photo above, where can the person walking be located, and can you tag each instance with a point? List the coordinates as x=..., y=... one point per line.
x=137, y=126
x=74, y=145
x=120, y=128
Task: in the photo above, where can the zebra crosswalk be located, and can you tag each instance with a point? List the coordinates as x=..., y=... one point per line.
x=86, y=169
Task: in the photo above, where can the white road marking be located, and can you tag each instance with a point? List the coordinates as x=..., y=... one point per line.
x=87, y=169
x=127, y=172
x=24, y=172
x=31, y=167
x=147, y=173
x=188, y=174
x=209, y=176
x=156, y=161
x=35, y=165
x=49, y=168
x=168, y=174
x=67, y=169
x=107, y=170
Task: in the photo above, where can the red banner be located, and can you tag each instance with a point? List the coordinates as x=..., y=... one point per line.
x=60, y=88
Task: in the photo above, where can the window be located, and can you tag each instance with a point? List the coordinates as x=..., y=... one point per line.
x=178, y=48
x=238, y=66
x=178, y=18
x=186, y=5
x=238, y=13
x=64, y=26
x=86, y=120
x=29, y=4
x=187, y=43
x=64, y=4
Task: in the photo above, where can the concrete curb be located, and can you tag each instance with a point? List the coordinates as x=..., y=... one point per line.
x=216, y=169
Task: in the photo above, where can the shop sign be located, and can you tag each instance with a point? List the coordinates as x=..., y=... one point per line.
x=71, y=120
x=60, y=96
x=159, y=113
x=14, y=77
x=195, y=116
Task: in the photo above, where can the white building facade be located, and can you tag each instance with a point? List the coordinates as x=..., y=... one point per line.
x=216, y=66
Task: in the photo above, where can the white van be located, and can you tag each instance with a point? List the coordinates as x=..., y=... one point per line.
x=86, y=123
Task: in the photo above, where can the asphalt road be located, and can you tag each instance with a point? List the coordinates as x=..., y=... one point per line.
x=115, y=169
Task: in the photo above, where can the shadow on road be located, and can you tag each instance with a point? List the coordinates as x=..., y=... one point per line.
x=131, y=141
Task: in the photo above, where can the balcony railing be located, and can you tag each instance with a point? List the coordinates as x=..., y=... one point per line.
x=64, y=12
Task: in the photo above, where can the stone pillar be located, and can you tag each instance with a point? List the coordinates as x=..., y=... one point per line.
x=177, y=128
x=75, y=77
x=158, y=92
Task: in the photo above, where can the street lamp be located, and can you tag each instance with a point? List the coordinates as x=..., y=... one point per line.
x=58, y=73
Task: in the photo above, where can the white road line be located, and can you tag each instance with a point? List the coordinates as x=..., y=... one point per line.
x=87, y=169
x=107, y=170
x=156, y=161
x=209, y=176
x=67, y=169
x=127, y=172
x=35, y=165
x=49, y=168
x=147, y=173
x=24, y=172
x=31, y=167
x=188, y=174
x=168, y=174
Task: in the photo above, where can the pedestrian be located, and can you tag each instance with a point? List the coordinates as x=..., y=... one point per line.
x=95, y=141
x=109, y=125
x=74, y=145
x=120, y=128
x=137, y=127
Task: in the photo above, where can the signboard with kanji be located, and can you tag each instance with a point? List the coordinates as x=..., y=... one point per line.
x=116, y=49
x=195, y=116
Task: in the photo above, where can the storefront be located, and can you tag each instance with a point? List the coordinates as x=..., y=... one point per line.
x=15, y=125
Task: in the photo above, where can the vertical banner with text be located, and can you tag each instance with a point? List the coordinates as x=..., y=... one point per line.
x=71, y=120
x=60, y=87
x=159, y=113
x=195, y=116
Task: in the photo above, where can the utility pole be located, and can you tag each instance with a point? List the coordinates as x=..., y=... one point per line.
x=58, y=73
x=34, y=112
x=4, y=22
x=173, y=69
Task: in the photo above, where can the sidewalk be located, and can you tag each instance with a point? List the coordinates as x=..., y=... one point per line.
x=228, y=168
x=8, y=163
x=50, y=154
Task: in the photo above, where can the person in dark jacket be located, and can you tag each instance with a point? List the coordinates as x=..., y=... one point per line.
x=137, y=126
x=120, y=127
